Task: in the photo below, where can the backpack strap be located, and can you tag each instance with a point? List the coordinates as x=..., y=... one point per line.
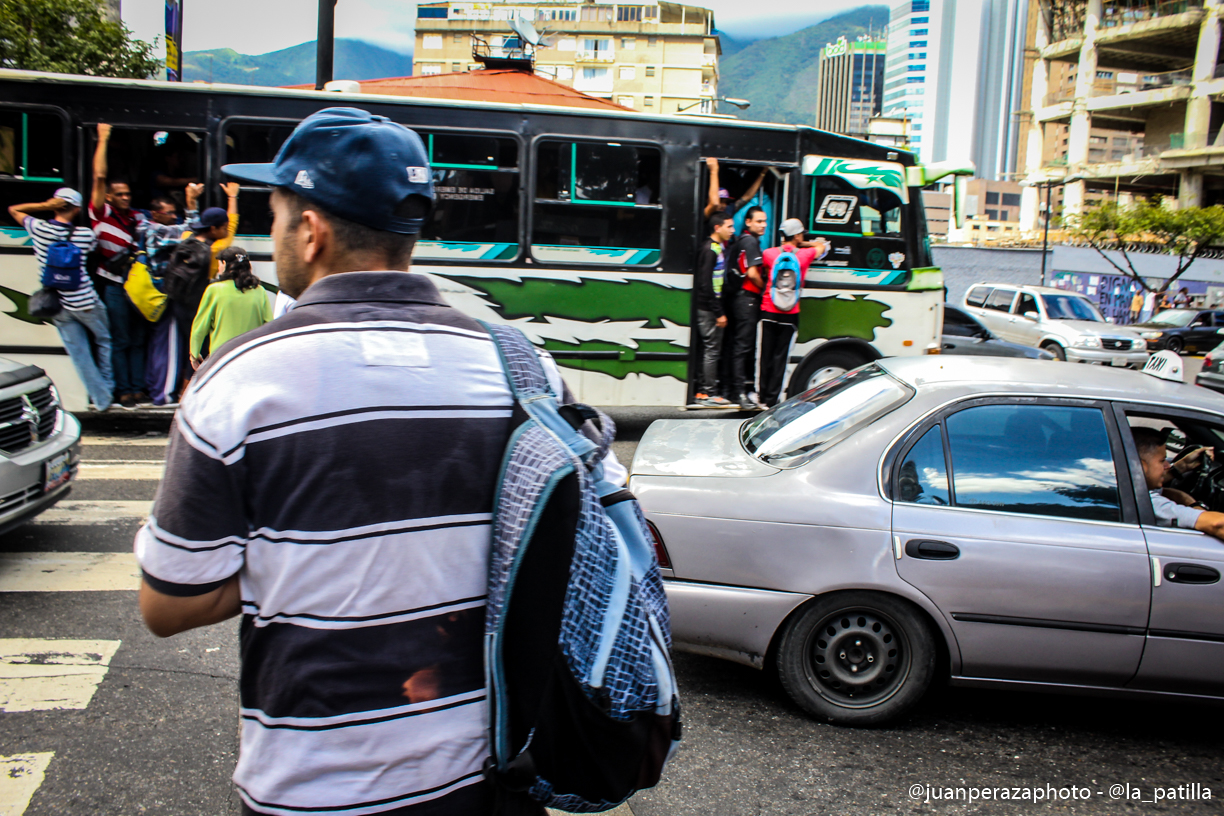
x=520, y=362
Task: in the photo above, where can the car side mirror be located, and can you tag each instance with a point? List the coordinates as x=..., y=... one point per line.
x=1032, y=315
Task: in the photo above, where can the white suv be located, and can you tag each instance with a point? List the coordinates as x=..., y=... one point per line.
x=1066, y=324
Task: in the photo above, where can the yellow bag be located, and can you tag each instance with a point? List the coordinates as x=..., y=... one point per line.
x=144, y=295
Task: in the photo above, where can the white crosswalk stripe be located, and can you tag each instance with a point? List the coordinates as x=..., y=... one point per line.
x=94, y=512
x=68, y=572
x=20, y=776
x=136, y=471
x=45, y=674
x=123, y=442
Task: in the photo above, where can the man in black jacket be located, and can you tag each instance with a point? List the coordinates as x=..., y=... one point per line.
x=708, y=285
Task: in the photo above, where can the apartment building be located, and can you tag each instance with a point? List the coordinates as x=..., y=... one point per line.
x=658, y=58
x=1125, y=101
x=851, y=88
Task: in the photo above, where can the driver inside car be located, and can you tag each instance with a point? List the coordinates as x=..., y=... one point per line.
x=1174, y=508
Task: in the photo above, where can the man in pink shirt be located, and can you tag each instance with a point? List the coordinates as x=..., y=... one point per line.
x=780, y=310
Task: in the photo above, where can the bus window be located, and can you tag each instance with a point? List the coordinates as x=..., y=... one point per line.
x=154, y=163
x=865, y=227
x=31, y=158
x=254, y=144
x=597, y=203
x=476, y=198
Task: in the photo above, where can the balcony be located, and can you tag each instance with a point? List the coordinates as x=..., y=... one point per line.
x=600, y=57
x=1138, y=35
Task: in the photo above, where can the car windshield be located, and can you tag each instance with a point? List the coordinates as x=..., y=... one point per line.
x=1070, y=307
x=800, y=429
x=1174, y=317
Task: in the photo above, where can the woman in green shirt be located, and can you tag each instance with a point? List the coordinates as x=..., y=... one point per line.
x=235, y=304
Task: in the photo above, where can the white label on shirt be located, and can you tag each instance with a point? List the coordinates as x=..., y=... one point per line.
x=394, y=349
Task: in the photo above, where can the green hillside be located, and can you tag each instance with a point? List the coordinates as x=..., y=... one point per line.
x=294, y=66
x=779, y=75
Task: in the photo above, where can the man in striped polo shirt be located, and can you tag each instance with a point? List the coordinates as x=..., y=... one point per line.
x=117, y=226
x=330, y=478
x=82, y=315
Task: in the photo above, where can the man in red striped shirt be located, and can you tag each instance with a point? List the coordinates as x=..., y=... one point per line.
x=116, y=224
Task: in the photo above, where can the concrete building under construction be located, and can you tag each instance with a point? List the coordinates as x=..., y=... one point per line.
x=1141, y=112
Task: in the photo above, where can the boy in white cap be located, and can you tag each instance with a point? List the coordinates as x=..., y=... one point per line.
x=82, y=314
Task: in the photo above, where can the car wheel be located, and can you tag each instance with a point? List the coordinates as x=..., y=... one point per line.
x=1175, y=345
x=820, y=368
x=857, y=658
x=1056, y=350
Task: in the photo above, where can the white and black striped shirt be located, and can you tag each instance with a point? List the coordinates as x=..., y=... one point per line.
x=45, y=233
x=342, y=460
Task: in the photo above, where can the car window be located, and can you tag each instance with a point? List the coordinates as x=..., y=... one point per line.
x=977, y=295
x=1218, y=317
x=958, y=324
x=1203, y=319
x=1070, y=307
x=1043, y=459
x=1001, y=299
x=1179, y=318
x=923, y=477
x=795, y=432
x=1026, y=303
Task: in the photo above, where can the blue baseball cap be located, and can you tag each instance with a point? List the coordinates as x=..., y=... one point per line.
x=212, y=217
x=353, y=164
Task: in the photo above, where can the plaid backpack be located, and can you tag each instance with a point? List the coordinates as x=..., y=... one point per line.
x=583, y=708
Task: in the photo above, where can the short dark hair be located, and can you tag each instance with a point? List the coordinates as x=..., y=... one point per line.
x=751, y=211
x=352, y=237
x=111, y=182
x=1148, y=440
x=718, y=219
x=162, y=201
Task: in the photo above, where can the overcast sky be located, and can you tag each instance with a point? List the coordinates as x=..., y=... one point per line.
x=260, y=26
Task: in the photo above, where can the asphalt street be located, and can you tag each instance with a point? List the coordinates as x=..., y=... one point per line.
x=97, y=716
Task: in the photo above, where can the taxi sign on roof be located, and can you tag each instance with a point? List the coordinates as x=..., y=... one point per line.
x=1165, y=365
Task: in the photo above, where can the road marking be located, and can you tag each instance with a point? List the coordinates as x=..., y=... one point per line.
x=620, y=810
x=94, y=512
x=137, y=471
x=48, y=674
x=140, y=442
x=68, y=572
x=20, y=776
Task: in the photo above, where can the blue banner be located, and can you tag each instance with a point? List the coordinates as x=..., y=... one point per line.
x=174, y=40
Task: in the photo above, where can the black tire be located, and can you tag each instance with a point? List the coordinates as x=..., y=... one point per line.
x=857, y=658
x=823, y=365
x=1056, y=350
x=1175, y=344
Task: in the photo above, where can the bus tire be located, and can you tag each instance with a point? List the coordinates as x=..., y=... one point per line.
x=821, y=367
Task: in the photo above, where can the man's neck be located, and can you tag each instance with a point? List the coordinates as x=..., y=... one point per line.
x=63, y=219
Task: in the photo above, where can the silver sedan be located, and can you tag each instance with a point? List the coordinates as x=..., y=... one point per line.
x=981, y=518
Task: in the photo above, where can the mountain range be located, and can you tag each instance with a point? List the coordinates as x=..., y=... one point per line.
x=354, y=59
x=777, y=74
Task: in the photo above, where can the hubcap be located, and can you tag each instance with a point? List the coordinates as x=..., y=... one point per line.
x=823, y=375
x=857, y=658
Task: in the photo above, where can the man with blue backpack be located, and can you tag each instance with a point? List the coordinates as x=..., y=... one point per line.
x=450, y=604
x=60, y=249
x=784, y=268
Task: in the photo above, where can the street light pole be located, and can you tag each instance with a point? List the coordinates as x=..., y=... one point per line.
x=325, y=44
x=1045, y=236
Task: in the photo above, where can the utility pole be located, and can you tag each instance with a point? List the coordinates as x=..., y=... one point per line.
x=325, y=45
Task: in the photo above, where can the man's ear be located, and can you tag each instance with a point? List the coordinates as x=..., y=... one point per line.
x=316, y=236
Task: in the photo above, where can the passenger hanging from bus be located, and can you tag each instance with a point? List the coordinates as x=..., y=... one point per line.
x=745, y=259
x=720, y=198
x=783, y=289
x=117, y=225
x=233, y=305
x=215, y=227
x=708, y=280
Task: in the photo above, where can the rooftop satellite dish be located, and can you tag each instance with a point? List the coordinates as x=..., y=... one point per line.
x=528, y=34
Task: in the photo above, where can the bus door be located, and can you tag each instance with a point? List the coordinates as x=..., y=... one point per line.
x=156, y=163
x=764, y=185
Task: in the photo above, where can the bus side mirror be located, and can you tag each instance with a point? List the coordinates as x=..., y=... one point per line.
x=960, y=199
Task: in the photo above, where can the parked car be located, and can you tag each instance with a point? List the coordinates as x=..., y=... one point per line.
x=1066, y=324
x=1182, y=330
x=1211, y=375
x=986, y=519
x=963, y=334
x=39, y=444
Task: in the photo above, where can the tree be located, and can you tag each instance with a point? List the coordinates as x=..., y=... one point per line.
x=71, y=37
x=1148, y=226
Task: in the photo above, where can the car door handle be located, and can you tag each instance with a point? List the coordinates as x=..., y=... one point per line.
x=1190, y=574
x=931, y=550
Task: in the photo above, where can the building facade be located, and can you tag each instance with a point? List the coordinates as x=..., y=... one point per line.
x=851, y=89
x=1127, y=92
x=659, y=58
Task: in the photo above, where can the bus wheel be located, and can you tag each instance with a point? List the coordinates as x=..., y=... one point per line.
x=820, y=368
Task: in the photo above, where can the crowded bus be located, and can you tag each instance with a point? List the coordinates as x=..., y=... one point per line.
x=579, y=226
